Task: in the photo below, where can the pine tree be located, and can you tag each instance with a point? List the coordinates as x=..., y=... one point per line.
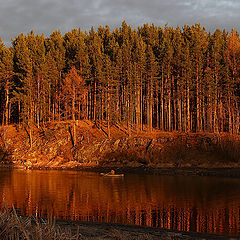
x=95, y=49
x=55, y=47
x=51, y=74
x=74, y=92
x=139, y=72
x=166, y=85
x=178, y=84
x=6, y=79
x=216, y=52
x=233, y=58
x=24, y=94
x=36, y=48
x=151, y=74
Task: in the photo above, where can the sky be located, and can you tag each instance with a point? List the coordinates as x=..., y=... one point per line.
x=46, y=16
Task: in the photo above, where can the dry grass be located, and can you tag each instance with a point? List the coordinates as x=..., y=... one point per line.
x=14, y=227
x=180, y=150
x=210, y=149
x=229, y=146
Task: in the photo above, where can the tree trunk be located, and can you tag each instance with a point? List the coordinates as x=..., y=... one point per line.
x=162, y=104
x=237, y=118
x=198, y=105
x=221, y=128
x=7, y=106
x=38, y=101
x=169, y=112
x=157, y=107
x=179, y=114
x=229, y=115
x=151, y=106
x=108, y=111
x=94, y=100
x=138, y=111
x=73, y=115
x=188, y=109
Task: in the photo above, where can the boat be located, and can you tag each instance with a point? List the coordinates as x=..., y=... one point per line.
x=111, y=175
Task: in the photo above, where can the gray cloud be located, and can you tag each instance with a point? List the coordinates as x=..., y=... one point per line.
x=45, y=16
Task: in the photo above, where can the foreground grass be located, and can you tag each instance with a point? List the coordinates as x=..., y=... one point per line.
x=15, y=228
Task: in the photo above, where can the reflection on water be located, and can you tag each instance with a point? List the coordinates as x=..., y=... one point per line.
x=185, y=203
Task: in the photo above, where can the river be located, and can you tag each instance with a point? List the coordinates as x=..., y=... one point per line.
x=201, y=204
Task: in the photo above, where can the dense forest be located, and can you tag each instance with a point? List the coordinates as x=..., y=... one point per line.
x=173, y=79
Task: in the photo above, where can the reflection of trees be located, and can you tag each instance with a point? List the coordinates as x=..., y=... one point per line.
x=184, y=203
x=5, y=182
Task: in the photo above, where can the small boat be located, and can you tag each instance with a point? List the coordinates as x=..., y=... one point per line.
x=111, y=175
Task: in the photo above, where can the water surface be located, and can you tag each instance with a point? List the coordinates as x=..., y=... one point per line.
x=202, y=204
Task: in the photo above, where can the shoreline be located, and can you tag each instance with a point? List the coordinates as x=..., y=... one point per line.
x=158, y=153
x=170, y=171
x=224, y=172
x=104, y=230
x=158, y=232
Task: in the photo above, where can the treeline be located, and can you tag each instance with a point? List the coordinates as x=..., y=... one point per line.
x=173, y=79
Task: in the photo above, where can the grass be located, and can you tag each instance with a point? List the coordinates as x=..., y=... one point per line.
x=14, y=227
x=181, y=150
x=229, y=146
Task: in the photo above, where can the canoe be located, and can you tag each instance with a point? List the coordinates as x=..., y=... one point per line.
x=111, y=175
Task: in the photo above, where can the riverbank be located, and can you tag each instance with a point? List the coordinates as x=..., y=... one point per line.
x=169, y=171
x=119, y=231
x=166, y=153
x=18, y=227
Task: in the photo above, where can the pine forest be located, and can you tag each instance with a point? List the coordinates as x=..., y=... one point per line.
x=172, y=79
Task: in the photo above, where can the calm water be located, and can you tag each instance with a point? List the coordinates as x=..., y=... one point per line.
x=185, y=203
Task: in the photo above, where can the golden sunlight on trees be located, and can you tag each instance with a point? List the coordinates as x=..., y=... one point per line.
x=74, y=92
x=147, y=78
x=233, y=57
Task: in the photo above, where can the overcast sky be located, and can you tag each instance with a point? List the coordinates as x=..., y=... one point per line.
x=45, y=16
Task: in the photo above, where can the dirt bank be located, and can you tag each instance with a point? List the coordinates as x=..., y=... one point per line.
x=54, y=146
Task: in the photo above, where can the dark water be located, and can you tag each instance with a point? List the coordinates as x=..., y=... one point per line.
x=185, y=203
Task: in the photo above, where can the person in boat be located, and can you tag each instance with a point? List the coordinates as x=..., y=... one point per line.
x=112, y=172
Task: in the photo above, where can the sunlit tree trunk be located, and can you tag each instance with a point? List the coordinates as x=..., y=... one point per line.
x=7, y=110
x=162, y=103
x=74, y=114
x=188, y=109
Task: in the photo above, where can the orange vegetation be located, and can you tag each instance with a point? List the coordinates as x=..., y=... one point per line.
x=85, y=143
